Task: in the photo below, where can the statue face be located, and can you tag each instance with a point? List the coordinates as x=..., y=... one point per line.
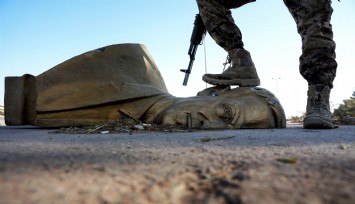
x=230, y=110
x=202, y=113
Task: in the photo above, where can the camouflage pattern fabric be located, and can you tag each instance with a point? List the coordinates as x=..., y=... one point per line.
x=317, y=62
x=234, y=4
x=219, y=23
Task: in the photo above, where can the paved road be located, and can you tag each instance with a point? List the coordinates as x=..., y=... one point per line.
x=291, y=165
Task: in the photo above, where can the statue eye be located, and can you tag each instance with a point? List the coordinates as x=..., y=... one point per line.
x=227, y=112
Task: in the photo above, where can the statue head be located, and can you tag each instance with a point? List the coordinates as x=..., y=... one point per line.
x=224, y=108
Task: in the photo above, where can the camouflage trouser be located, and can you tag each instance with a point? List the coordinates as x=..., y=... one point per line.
x=317, y=62
x=219, y=22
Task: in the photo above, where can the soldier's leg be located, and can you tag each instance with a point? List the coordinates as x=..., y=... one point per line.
x=219, y=23
x=317, y=62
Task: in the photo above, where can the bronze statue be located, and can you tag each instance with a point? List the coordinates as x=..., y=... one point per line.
x=123, y=81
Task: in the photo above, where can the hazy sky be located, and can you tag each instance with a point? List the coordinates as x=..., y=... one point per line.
x=39, y=34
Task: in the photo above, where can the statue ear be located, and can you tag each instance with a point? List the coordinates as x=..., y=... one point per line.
x=214, y=91
x=279, y=115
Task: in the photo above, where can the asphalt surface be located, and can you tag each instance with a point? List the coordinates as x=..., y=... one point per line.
x=291, y=165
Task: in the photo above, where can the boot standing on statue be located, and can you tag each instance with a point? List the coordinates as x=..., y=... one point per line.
x=219, y=23
x=317, y=62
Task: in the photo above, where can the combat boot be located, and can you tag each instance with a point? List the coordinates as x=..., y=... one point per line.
x=242, y=72
x=318, y=114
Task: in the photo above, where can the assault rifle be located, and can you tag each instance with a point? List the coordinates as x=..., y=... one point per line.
x=198, y=33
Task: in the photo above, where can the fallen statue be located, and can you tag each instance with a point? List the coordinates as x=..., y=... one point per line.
x=122, y=81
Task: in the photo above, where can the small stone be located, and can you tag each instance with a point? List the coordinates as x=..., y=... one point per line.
x=239, y=176
x=139, y=127
x=342, y=147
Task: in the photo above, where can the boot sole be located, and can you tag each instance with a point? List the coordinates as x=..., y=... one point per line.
x=317, y=123
x=239, y=82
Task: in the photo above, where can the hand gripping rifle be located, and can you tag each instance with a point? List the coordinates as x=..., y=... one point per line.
x=198, y=33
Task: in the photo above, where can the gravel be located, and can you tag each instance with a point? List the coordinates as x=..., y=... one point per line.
x=291, y=165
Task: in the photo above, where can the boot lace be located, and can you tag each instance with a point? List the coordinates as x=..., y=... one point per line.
x=318, y=103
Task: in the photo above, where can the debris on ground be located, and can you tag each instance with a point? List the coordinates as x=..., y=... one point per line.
x=288, y=160
x=120, y=126
x=209, y=139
